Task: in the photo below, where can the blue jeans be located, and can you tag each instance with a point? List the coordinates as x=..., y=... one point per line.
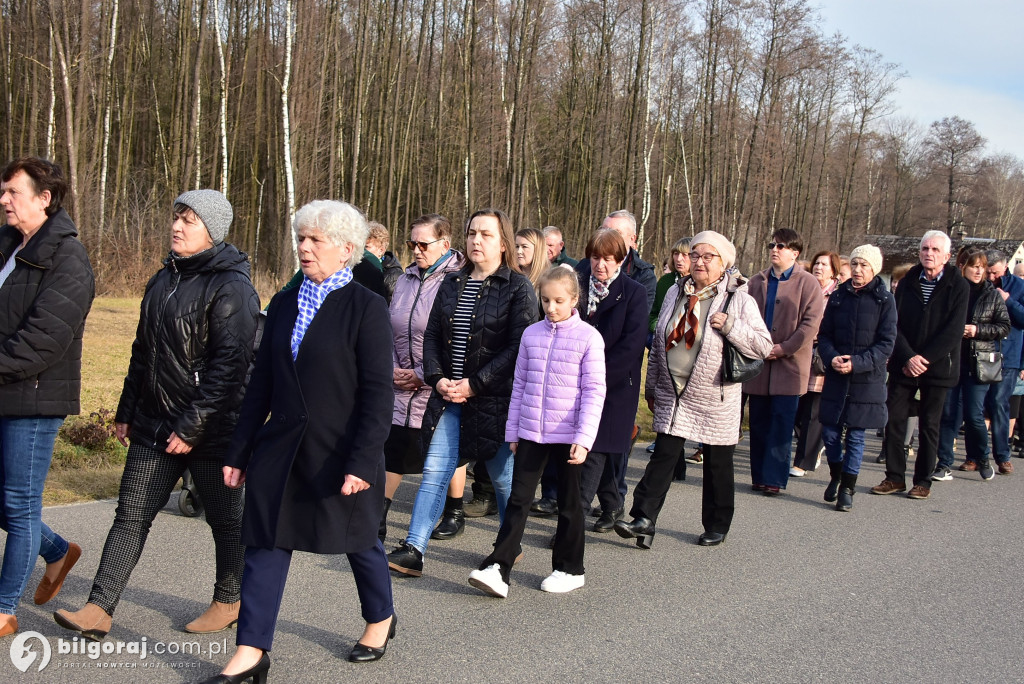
x=772, y=419
x=971, y=402
x=997, y=404
x=832, y=435
x=952, y=419
x=26, y=447
x=439, y=466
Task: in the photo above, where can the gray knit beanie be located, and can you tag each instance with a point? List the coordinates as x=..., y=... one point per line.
x=212, y=208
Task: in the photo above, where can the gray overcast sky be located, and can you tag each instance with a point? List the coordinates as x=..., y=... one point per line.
x=963, y=57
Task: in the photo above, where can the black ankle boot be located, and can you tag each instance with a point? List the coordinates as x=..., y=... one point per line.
x=453, y=521
x=382, y=530
x=836, y=471
x=847, y=485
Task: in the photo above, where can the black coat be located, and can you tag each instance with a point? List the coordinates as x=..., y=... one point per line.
x=505, y=307
x=192, y=349
x=43, y=305
x=861, y=323
x=933, y=330
x=622, y=319
x=393, y=270
x=989, y=313
x=329, y=415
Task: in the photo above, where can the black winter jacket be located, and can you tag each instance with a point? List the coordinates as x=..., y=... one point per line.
x=993, y=320
x=861, y=323
x=43, y=305
x=933, y=330
x=191, y=352
x=505, y=307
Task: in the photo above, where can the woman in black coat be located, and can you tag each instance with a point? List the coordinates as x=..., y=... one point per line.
x=309, y=444
x=855, y=339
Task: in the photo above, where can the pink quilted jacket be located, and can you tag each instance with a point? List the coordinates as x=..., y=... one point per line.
x=559, y=386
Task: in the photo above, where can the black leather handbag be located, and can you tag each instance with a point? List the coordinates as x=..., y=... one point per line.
x=988, y=367
x=736, y=366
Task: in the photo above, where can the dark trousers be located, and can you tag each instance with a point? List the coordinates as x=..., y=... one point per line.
x=604, y=475
x=718, y=494
x=929, y=414
x=146, y=484
x=529, y=464
x=266, y=571
x=771, y=438
x=808, y=431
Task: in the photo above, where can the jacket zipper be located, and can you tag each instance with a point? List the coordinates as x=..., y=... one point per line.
x=412, y=363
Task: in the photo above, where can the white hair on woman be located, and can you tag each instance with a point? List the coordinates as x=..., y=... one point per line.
x=339, y=222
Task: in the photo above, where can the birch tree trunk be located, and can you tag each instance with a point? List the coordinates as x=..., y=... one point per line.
x=289, y=175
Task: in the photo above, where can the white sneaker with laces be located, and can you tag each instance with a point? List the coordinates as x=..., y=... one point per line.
x=489, y=581
x=797, y=472
x=559, y=582
x=942, y=475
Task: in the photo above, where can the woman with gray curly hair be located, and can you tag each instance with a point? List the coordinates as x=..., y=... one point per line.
x=310, y=439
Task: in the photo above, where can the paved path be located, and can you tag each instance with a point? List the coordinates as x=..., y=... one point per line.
x=895, y=591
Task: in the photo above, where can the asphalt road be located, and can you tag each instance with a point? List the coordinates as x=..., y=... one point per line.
x=896, y=590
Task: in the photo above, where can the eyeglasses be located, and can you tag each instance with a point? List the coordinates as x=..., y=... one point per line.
x=422, y=245
x=780, y=245
x=707, y=258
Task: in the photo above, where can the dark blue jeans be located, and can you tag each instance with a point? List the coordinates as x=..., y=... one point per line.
x=771, y=436
x=971, y=403
x=952, y=419
x=997, y=404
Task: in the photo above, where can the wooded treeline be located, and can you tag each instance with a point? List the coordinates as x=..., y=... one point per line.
x=735, y=115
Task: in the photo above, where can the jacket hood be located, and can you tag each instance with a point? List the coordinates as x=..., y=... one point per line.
x=568, y=324
x=222, y=257
x=456, y=261
x=41, y=247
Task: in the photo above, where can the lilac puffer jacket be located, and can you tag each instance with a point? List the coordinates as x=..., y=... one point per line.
x=410, y=309
x=559, y=386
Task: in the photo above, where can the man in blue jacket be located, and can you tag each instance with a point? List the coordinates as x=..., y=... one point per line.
x=997, y=401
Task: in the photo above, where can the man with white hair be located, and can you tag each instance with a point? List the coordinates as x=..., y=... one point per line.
x=931, y=305
x=636, y=268
x=555, y=247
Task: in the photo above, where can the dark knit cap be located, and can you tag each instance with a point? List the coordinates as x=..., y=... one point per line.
x=212, y=208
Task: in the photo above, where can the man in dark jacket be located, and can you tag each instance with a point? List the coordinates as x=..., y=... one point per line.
x=555, y=246
x=636, y=268
x=997, y=400
x=931, y=305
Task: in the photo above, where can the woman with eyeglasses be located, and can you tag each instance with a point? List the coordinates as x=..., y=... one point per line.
x=685, y=388
x=433, y=258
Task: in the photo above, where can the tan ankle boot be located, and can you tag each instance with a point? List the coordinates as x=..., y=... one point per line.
x=92, y=622
x=8, y=625
x=219, y=616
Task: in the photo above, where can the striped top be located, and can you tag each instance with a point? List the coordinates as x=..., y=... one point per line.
x=928, y=286
x=461, y=324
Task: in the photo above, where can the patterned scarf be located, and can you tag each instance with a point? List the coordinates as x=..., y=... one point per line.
x=685, y=325
x=599, y=291
x=311, y=297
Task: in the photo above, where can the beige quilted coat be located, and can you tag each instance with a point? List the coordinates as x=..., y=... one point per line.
x=707, y=411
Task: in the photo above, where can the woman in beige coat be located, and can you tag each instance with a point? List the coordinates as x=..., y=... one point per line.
x=685, y=389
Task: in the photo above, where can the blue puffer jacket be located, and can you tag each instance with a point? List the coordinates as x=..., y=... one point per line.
x=861, y=324
x=1013, y=345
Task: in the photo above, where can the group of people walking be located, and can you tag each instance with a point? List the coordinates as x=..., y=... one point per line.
x=508, y=354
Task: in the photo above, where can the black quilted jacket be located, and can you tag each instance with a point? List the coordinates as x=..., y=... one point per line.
x=191, y=352
x=43, y=305
x=987, y=311
x=505, y=307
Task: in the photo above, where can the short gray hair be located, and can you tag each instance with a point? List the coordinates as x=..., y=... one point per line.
x=339, y=222
x=931, y=234
x=553, y=230
x=622, y=213
x=994, y=256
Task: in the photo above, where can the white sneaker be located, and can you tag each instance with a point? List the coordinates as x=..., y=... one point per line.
x=821, y=457
x=489, y=581
x=560, y=582
x=797, y=472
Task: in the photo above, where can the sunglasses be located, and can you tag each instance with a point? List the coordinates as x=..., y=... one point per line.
x=780, y=245
x=422, y=245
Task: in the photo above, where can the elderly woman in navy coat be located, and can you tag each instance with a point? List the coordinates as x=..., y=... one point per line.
x=856, y=337
x=310, y=439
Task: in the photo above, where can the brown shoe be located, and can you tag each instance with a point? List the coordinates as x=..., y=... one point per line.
x=1006, y=468
x=889, y=487
x=218, y=617
x=968, y=466
x=919, y=492
x=92, y=622
x=48, y=589
x=8, y=625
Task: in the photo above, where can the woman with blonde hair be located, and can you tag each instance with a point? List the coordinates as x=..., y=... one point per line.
x=531, y=254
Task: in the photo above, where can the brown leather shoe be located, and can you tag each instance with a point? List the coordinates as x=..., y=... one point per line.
x=968, y=466
x=889, y=487
x=218, y=617
x=8, y=625
x=1005, y=468
x=48, y=589
x=92, y=622
x=919, y=492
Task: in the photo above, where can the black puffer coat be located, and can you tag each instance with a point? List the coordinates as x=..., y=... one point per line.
x=192, y=352
x=43, y=305
x=505, y=307
x=987, y=311
x=862, y=324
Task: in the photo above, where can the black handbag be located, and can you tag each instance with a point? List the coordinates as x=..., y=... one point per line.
x=736, y=366
x=988, y=367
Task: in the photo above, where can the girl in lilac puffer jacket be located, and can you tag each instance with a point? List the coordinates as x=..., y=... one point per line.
x=555, y=412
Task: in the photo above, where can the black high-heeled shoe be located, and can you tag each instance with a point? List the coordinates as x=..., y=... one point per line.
x=361, y=653
x=257, y=673
x=640, y=529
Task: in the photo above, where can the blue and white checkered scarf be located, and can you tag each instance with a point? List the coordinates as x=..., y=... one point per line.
x=311, y=297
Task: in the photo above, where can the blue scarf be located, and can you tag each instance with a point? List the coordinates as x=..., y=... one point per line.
x=311, y=297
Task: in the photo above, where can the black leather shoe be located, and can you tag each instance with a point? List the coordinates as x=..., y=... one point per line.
x=406, y=559
x=544, y=507
x=607, y=520
x=640, y=529
x=452, y=524
x=258, y=674
x=481, y=505
x=361, y=653
x=382, y=529
x=711, y=538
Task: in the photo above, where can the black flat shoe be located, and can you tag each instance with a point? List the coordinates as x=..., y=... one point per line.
x=711, y=538
x=361, y=653
x=452, y=524
x=406, y=559
x=542, y=508
x=640, y=529
x=607, y=520
x=257, y=673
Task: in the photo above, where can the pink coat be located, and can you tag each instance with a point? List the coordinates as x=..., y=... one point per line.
x=559, y=387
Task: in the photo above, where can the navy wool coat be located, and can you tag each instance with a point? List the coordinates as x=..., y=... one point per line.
x=861, y=323
x=305, y=425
